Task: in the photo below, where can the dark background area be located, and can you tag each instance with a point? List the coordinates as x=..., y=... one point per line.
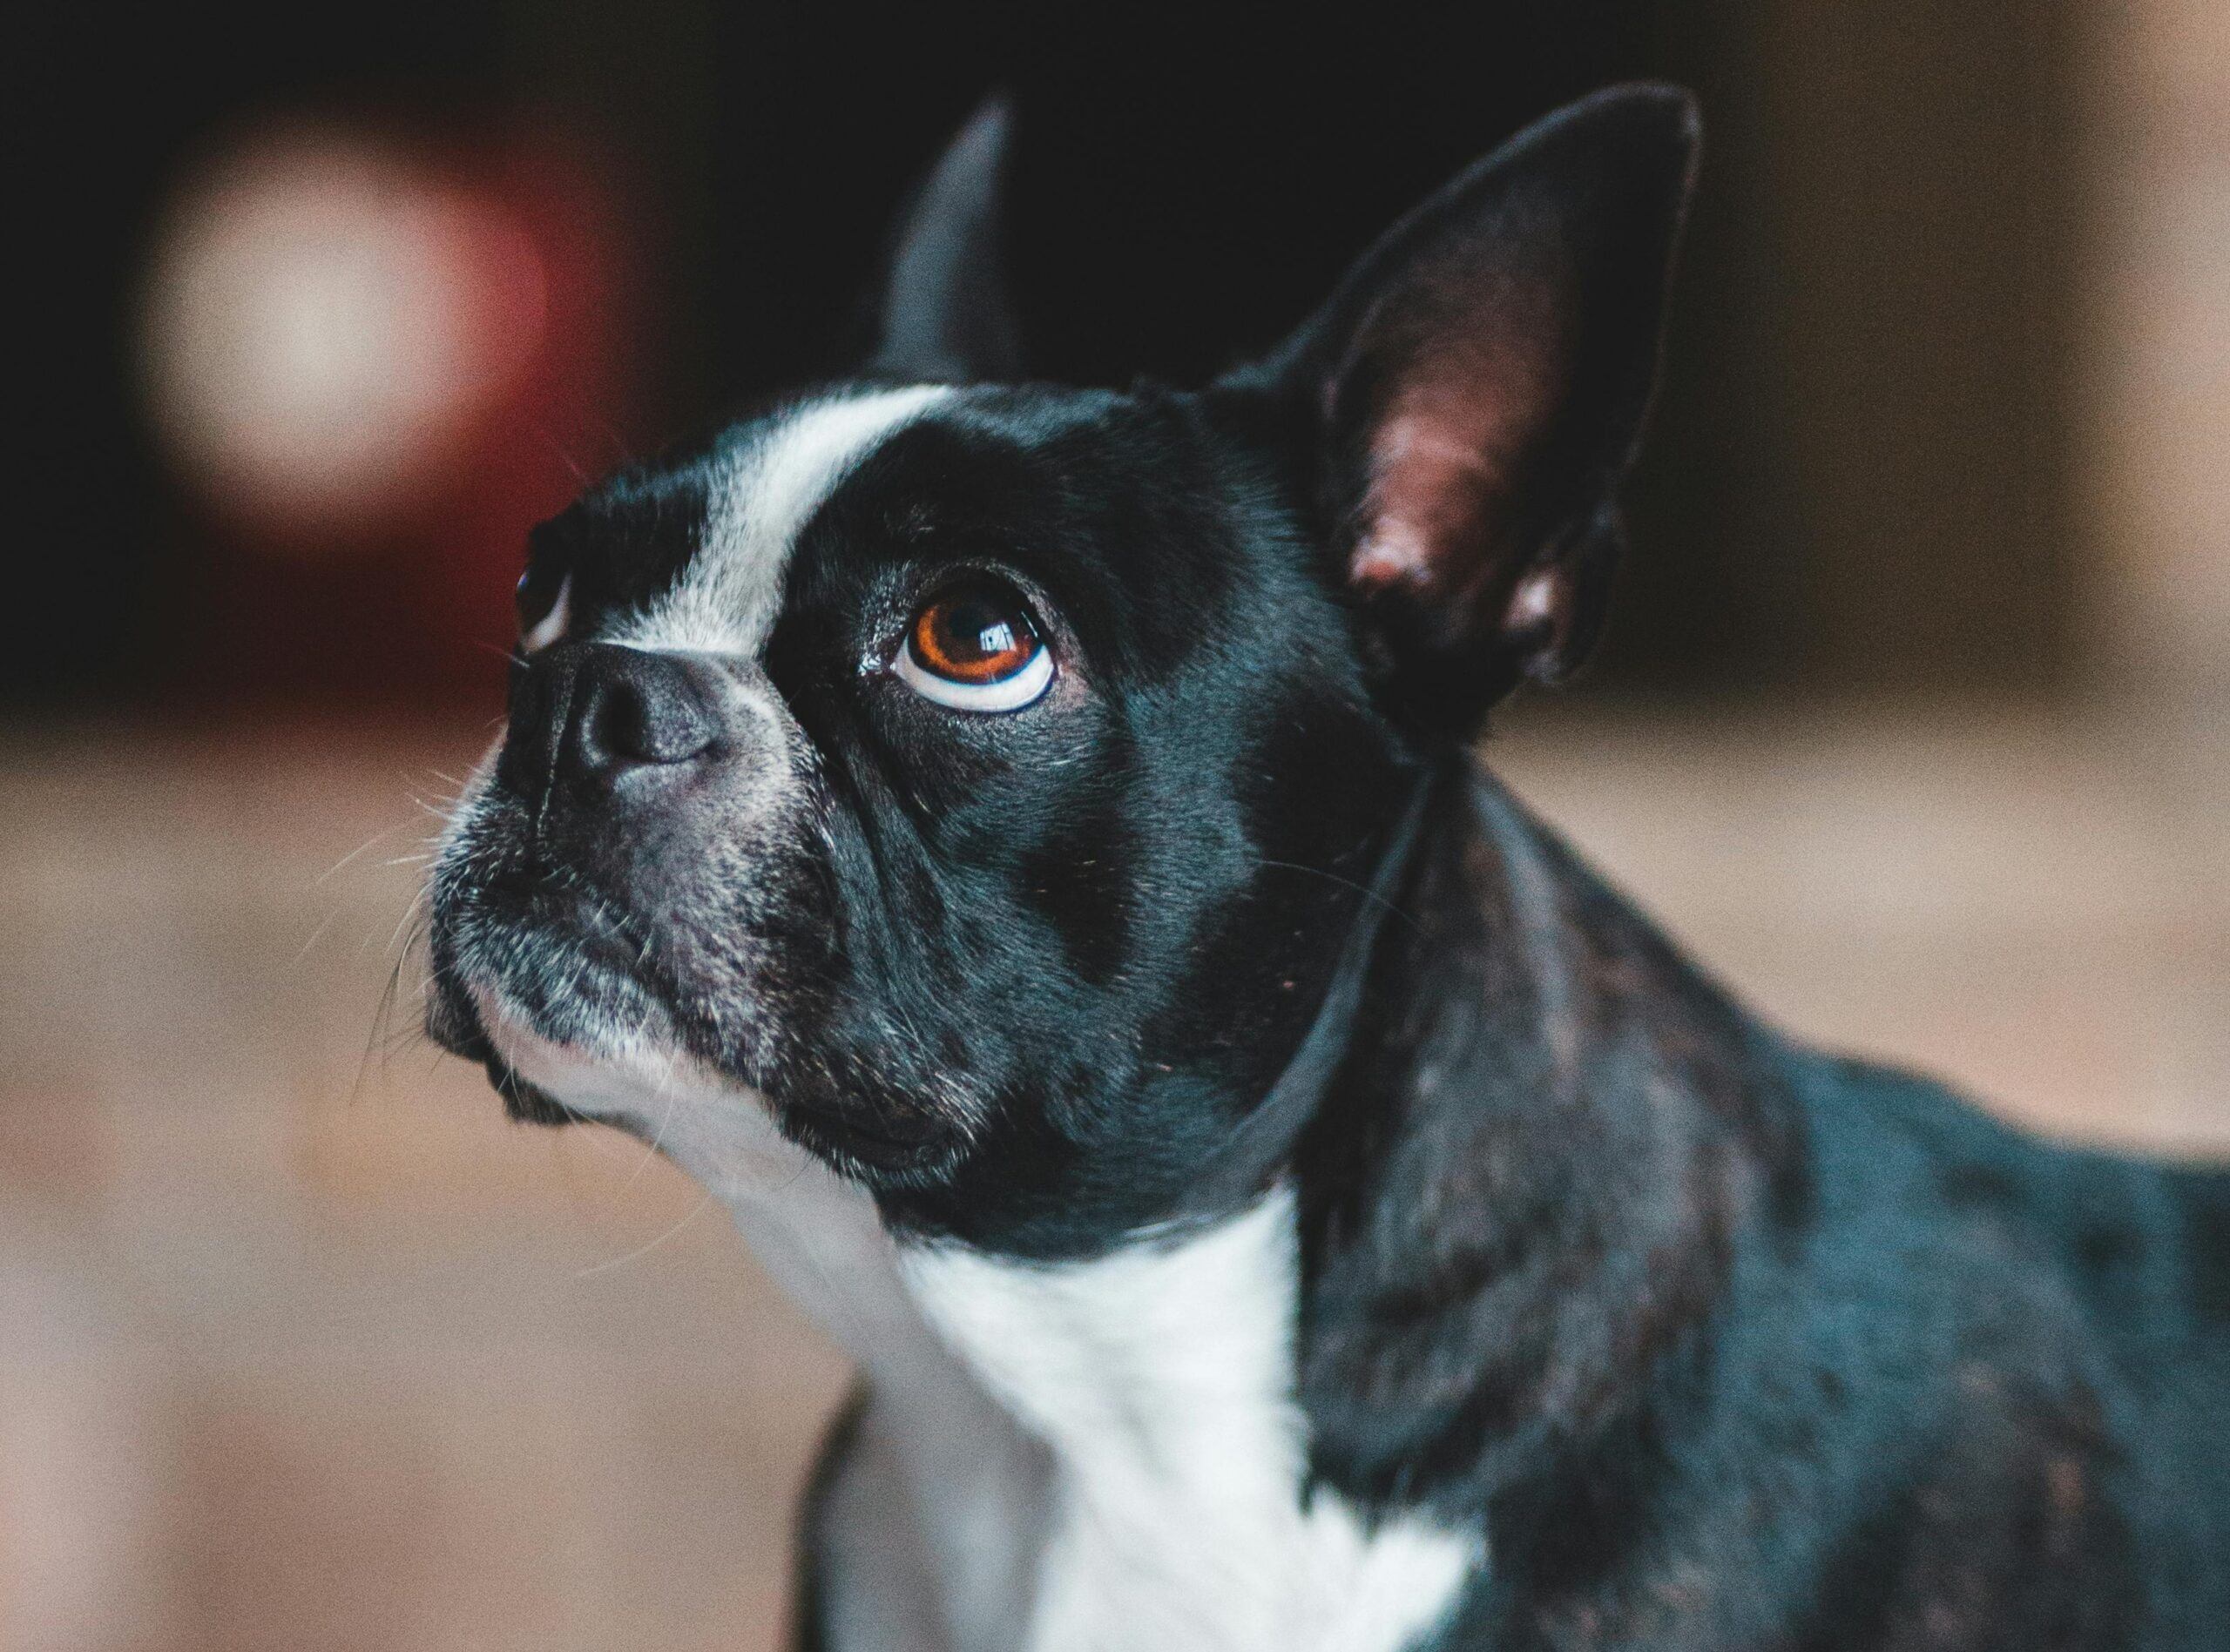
x=1857, y=483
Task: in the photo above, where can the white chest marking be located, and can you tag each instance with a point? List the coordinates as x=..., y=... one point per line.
x=1094, y=1457
x=1161, y=1377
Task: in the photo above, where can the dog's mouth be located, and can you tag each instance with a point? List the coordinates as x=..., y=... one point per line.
x=535, y=952
x=461, y=1033
x=529, y=1103
x=550, y=986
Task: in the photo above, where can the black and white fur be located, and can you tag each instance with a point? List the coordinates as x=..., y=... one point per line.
x=1276, y=1197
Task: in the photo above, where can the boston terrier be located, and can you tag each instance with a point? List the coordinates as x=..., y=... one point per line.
x=1020, y=848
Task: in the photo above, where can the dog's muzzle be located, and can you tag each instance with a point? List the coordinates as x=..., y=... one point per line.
x=608, y=881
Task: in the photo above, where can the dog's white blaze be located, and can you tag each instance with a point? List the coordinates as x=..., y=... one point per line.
x=1162, y=1378
x=727, y=598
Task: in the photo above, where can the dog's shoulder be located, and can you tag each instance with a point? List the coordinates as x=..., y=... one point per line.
x=1644, y=1285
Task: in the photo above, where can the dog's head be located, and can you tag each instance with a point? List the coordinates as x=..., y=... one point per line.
x=982, y=779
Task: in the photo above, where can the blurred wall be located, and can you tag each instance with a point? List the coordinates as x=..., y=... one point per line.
x=1863, y=476
x=1861, y=481
x=111, y=105
x=2155, y=353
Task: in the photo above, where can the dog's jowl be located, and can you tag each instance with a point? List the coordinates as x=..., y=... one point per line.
x=1018, y=846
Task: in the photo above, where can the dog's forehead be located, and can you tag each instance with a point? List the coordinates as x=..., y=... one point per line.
x=764, y=483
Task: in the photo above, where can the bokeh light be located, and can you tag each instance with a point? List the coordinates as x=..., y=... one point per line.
x=325, y=320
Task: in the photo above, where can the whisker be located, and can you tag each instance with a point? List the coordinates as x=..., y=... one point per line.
x=581, y=477
x=337, y=866
x=1364, y=890
x=318, y=933
x=640, y=1251
x=379, y=1037
x=665, y=1091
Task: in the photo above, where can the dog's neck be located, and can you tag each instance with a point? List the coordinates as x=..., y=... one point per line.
x=1529, y=1184
x=1094, y=1452
x=1530, y=1076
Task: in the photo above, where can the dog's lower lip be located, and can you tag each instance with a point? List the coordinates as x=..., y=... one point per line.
x=527, y=1102
x=457, y=1032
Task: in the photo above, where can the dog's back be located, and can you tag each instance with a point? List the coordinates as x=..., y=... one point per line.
x=2045, y=1337
x=1991, y=1381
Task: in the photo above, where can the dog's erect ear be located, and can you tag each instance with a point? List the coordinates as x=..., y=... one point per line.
x=1477, y=385
x=945, y=316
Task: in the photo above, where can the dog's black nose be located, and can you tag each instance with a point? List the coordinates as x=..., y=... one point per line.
x=586, y=712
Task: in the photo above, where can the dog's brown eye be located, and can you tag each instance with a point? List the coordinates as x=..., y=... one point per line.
x=974, y=635
x=974, y=647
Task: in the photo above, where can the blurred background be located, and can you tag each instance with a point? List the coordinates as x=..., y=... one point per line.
x=1914, y=722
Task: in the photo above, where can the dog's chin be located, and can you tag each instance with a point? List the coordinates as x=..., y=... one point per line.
x=568, y=1062
x=559, y=1075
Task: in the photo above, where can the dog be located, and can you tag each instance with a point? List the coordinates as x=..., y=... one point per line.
x=1019, y=848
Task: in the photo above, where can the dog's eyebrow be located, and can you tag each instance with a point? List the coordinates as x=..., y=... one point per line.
x=762, y=495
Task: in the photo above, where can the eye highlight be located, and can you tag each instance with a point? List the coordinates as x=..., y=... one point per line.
x=974, y=647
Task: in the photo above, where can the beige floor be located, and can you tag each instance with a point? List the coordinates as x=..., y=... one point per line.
x=302, y=1346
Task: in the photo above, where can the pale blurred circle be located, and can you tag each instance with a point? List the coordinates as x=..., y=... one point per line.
x=323, y=321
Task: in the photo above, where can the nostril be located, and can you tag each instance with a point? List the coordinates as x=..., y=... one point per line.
x=611, y=725
x=624, y=723
x=639, y=709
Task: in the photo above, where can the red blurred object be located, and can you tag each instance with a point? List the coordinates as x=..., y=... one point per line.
x=376, y=364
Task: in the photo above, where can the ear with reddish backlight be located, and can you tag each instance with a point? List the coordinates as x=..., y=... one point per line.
x=1477, y=386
